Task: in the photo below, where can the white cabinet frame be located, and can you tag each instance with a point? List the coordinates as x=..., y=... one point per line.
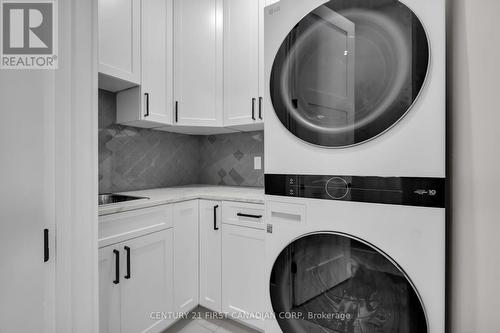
x=211, y=254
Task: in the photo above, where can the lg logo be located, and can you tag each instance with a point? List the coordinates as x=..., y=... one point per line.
x=29, y=34
x=27, y=28
x=431, y=193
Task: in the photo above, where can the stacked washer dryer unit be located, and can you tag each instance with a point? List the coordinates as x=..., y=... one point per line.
x=355, y=165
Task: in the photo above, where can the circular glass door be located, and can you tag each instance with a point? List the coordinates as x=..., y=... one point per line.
x=333, y=283
x=348, y=71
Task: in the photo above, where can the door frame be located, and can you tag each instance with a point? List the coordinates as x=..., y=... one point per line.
x=76, y=182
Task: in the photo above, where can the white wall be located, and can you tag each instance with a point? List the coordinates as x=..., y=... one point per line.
x=474, y=104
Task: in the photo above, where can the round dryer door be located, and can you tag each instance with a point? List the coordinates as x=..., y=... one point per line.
x=338, y=284
x=348, y=71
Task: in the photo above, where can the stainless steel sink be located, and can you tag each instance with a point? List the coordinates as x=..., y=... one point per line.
x=105, y=199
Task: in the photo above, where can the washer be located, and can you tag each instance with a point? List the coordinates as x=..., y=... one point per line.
x=355, y=166
x=355, y=254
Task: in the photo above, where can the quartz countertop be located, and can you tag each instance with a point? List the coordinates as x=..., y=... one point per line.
x=162, y=196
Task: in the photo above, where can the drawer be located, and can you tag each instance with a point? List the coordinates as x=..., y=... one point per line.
x=119, y=227
x=243, y=214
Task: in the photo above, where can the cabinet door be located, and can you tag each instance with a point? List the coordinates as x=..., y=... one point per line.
x=157, y=60
x=150, y=104
x=186, y=255
x=210, y=254
x=198, y=62
x=109, y=289
x=243, y=283
x=119, y=40
x=146, y=282
x=241, y=62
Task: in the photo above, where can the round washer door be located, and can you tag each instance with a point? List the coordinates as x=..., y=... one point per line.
x=348, y=71
x=329, y=282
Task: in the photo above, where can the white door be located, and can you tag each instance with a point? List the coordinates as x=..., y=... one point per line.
x=146, y=282
x=210, y=254
x=198, y=62
x=242, y=102
x=27, y=197
x=157, y=60
x=119, y=39
x=110, y=276
x=186, y=246
x=243, y=277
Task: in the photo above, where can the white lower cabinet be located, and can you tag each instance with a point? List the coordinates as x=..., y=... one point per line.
x=243, y=281
x=210, y=255
x=109, y=291
x=186, y=245
x=135, y=281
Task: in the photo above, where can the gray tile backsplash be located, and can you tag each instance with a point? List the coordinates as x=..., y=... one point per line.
x=133, y=159
x=228, y=159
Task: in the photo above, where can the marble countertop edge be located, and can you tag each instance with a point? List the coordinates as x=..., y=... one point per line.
x=170, y=195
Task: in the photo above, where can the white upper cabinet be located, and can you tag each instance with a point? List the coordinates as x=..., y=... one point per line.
x=198, y=63
x=242, y=64
x=119, y=44
x=157, y=41
x=150, y=104
x=187, y=66
x=210, y=254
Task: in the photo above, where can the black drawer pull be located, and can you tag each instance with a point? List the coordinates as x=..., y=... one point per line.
x=215, y=217
x=253, y=108
x=117, y=266
x=46, y=245
x=127, y=249
x=146, y=95
x=249, y=215
x=260, y=108
x=176, y=111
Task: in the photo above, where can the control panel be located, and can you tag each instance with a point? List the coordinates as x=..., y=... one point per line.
x=410, y=191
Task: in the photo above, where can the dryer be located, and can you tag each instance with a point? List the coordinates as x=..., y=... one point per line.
x=355, y=87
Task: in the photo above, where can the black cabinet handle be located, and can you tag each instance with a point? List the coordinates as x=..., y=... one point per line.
x=176, y=111
x=253, y=108
x=146, y=95
x=260, y=108
x=117, y=266
x=45, y=245
x=127, y=249
x=215, y=217
x=249, y=215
